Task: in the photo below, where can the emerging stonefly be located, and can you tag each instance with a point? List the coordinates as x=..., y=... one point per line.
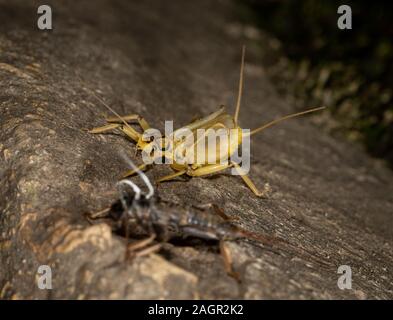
x=219, y=120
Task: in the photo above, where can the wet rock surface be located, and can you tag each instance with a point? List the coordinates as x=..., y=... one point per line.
x=175, y=61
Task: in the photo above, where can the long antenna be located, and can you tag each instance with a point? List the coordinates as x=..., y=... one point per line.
x=240, y=91
x=112, y=110
x=274, y=122
x=91, y=92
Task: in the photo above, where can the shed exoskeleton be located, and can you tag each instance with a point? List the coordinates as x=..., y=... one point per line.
x=158, y=221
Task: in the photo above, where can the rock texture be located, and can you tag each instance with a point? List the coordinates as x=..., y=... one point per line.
x=170, y=60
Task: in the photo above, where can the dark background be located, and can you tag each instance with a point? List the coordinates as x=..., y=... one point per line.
x=349, y=71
